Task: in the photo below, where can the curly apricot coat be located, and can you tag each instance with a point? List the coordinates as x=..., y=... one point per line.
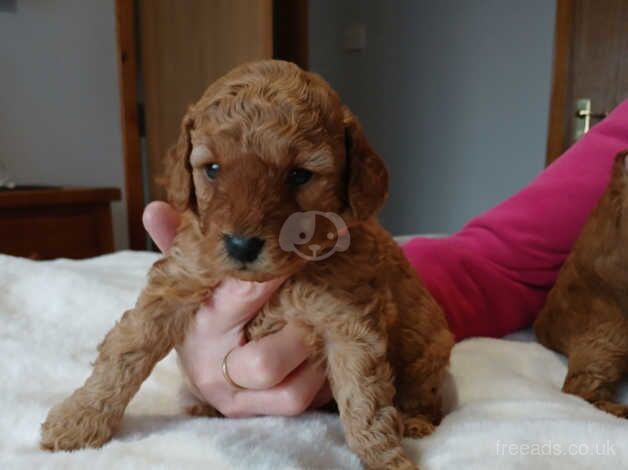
x=585, y=316
x=383, y=338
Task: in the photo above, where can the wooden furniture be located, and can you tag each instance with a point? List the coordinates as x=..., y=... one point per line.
x=57, y=222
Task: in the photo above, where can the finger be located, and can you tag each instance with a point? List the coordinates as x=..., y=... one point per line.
x=292, y=397
x=161, y=220
x=268, y=361
x=235, y=302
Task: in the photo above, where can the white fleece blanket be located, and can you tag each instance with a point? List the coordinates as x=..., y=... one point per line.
x=506, y=409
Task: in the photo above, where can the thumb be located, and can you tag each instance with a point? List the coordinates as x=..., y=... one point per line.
x=235, y=302
x=161, y=221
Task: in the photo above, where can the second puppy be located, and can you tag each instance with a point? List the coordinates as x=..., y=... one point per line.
x=585, y=316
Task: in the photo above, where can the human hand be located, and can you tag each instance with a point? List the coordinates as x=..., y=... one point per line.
x=275, y=371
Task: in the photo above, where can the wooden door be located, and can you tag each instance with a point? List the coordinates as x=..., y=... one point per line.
x=590, y=63
x=185, y=45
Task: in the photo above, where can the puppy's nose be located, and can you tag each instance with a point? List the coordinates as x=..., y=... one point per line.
x=243, y=249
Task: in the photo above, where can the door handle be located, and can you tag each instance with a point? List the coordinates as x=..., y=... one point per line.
x=583, y=117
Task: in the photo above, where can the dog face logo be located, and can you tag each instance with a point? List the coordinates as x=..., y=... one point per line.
x=298, y=230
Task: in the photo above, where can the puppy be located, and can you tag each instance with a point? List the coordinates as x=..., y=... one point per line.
x=585, y=314
x=267, y=158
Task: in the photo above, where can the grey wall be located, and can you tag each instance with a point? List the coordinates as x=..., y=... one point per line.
x=59, y=106
x=454, y=94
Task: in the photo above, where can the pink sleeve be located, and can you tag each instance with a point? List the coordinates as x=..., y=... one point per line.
x=492, y=277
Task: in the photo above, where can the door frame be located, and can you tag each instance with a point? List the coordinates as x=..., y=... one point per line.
x=129, y=121
x=561, y=71
x=291, y=31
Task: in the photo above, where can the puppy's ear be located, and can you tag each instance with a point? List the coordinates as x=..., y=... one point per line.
x=178, y=176
x=622, y=160
x=367, y=176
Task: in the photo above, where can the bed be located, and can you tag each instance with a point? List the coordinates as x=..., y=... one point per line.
x=505, y=407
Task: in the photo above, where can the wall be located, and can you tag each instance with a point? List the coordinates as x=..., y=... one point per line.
x=454, y=94
x=59, y=105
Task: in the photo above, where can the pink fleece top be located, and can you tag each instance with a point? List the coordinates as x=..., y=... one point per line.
x=492, y=277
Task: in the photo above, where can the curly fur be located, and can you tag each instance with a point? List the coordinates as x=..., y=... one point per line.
x=382, y=337
x=585, y=314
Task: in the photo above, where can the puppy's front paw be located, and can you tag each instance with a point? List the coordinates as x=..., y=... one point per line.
x=70, y=426
x=617, y=409
x=403, y=463
x=417, y=426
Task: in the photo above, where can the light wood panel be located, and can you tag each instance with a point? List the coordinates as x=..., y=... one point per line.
x=185, y=45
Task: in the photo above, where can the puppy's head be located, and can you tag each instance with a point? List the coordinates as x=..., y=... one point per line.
x=265, y=142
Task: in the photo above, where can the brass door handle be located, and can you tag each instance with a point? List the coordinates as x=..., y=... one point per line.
x=583, y=116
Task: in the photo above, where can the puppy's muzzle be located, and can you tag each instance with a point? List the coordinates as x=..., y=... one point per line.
x=243, y=249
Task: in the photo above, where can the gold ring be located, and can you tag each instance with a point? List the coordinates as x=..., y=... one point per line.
x=225, y=372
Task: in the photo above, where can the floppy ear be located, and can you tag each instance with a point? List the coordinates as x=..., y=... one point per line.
x=367, y=176
x=621, y=159
x=178, y=174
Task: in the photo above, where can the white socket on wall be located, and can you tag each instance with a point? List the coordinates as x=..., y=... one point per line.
x=355, y=37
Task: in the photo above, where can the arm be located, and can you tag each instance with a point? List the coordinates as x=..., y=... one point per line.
x=492, y=277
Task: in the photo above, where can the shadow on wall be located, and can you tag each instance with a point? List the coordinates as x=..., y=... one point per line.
x=8, y=6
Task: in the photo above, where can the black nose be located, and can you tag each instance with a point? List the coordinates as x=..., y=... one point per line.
x=243, y=249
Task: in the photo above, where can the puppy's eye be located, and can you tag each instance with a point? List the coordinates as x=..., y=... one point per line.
x=211, y=170
x=298, y=176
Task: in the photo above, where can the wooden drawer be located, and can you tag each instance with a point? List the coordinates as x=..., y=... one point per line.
x=65, y=222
